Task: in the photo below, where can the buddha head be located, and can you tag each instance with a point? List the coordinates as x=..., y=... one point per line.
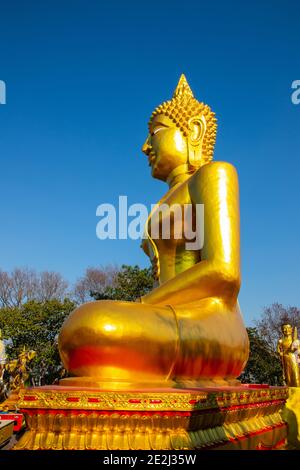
x=286, y=329
x=182, y=134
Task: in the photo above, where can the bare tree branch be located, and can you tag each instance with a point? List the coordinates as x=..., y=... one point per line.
x=94, y=280
x=23, y=285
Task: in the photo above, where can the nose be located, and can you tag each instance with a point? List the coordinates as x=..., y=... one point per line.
x=147, y=147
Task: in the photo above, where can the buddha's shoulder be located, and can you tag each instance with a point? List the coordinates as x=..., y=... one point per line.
x=213, y=177
x=216, y=170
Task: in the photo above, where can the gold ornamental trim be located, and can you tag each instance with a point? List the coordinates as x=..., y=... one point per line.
x=54, y=398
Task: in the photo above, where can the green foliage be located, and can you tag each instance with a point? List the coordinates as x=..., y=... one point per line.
x=35, y=325
x=263, y=365
x=130, y=283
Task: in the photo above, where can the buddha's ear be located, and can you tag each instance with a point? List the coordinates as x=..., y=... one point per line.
x=197, y=127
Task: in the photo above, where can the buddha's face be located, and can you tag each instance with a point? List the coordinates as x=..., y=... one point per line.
x=165, y=147
x=287, y=330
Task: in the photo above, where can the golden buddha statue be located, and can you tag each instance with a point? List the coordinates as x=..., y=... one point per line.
x=288, y=348
x=188, y=331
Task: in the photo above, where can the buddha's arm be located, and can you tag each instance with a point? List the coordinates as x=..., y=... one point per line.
x=218, y=273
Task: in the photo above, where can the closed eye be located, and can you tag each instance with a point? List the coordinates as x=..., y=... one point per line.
x=156, y=130
x=158, y=127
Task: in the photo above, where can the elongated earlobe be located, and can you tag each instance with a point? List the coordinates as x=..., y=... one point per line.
x=197, y=127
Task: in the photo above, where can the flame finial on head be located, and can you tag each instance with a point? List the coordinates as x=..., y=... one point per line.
x=183, y=88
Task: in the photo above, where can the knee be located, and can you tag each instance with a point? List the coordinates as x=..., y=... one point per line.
x=89, y=322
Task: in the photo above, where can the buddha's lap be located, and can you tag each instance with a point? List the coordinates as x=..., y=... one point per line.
x=104, y=322
x=206, y=337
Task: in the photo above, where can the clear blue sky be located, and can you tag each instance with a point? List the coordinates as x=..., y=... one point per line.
x=82, y=80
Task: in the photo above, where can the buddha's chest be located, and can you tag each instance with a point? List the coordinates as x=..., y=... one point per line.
x=170, y=219
x=171, y=225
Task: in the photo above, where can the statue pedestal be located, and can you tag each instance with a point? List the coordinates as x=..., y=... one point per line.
x=244, y=417
x=291, y=414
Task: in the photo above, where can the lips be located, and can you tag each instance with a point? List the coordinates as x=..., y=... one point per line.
x=151, y=158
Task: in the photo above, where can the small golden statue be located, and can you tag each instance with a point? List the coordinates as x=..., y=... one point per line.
x=3, y=394
x=18, y=370
x=187, y=332
x=2, y=354
x=288, y=348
